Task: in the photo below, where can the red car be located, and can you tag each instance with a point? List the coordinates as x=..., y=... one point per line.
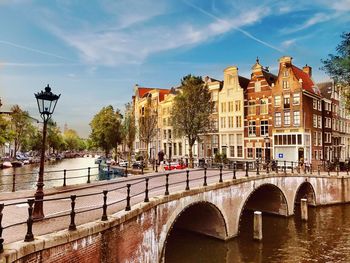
x=174, y=166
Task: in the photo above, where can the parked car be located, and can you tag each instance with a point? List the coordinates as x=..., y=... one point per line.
x=123, y=163
x=174, y=166
x=137, y=165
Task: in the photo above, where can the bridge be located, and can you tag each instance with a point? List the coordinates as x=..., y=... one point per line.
x=131, y=218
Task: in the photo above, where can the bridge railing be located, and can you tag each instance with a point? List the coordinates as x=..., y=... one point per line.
x=123, y=194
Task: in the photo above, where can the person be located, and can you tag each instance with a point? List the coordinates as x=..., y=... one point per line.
x=307, y=166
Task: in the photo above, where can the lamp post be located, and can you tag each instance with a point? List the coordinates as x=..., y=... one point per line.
x=46, y=103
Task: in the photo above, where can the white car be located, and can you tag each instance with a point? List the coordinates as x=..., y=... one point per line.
x=123, y=163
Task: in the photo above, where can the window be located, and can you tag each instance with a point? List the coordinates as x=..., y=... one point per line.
x=299, y=139
x=314, y=139
x=251, y=107
x=296, y=118
x=285, y=73
x=319, y=121
x=223, y=106
x=230, y=106
x=238, y=121
x=264, y=106
x=250, y=153
x=238, y=105
x=296, y=98
x=164, y=134
x=232, y=151
x=230, y=121
x=264, y=128
x=215, y=124
x=175, y=153
x=285, y=84
x=278, y=121
x=239, y=151
x=319, y=105
x=286, y=101
x=252, y=128
x=314, y=104
x=214, y=96
x=277, y=101
x=231, y=139
x=314, y=120
x=224, y=139
x=257, y=86
x=287, y=118
x=319, y=137
x=223, y=122
x=215, y=107
x=258, y=153
x=164, y=121
x=180, y=148
x=169, y=134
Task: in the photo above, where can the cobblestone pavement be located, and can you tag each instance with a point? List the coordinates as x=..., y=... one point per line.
x=90, y=197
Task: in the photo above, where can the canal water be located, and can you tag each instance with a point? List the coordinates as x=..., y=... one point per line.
x=27, y=175
x=324, y=238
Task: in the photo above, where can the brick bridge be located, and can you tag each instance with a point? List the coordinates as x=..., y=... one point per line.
x=140, y=235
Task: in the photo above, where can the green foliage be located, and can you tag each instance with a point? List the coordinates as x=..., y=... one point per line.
x=5, y=130
x=106, y=130
x=55, y=139
x=21, y=127
x=338, y=66
x=220, y=158
x=191, y=110
x=129, y=129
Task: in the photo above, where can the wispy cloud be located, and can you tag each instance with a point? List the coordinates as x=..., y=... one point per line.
x=31, y=65
x=42, y=52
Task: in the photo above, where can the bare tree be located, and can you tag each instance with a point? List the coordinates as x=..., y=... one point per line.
x=148, y=125
x=129, y=130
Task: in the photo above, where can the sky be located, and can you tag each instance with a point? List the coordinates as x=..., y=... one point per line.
x=94, y=52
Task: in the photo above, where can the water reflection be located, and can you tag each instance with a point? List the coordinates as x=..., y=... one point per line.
x=26, y=176
x=324, y=238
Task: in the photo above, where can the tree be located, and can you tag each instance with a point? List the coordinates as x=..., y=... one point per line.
x=148, y=125
x=55, y=139
x=191, y=111
x=71, y=139
x=20, y=125
x=129, y=129
x=106, y=130
x=5, y=131
x=338, y=66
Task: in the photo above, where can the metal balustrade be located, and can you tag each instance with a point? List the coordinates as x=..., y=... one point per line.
x=182, y=178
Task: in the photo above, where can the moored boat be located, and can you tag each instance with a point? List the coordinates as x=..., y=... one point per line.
x=6, y=164
x=16, y=164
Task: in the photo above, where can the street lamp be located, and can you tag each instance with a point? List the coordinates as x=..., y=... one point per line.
x=46, y=104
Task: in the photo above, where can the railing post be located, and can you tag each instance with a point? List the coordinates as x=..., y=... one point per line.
x=328, y=170
x=234, y=170
x=128, y=208
x=14, y=182
x=157, y=167
x=205, y=177
x=187, y=180
x=246, y=169
x=292, y=169
x=285, y=167
x=1, y=229
x=166, y=184
x=276, y=167
x=257, y=167
x=142, y=167
x=72, y=225
x=88, y=181
x=29, y=236
x=146, y=191
x=104, y=207
x=220, y=174
x=108, y=170
x=337, y=168
x=64, y=177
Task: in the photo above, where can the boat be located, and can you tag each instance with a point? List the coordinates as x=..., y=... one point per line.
x=6, y=164
x=16, y=164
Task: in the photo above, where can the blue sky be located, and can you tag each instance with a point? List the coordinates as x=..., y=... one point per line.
x=93, y=52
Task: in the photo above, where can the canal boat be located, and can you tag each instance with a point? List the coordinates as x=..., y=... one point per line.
x=6, y=164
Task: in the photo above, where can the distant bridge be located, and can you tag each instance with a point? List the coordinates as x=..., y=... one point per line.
x=139, y=232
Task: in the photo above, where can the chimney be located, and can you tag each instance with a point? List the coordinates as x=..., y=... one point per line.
x=308, y=70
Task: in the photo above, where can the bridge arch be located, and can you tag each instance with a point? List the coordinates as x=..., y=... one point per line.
x=267, y=198
x=305, y=190
x=201, y=217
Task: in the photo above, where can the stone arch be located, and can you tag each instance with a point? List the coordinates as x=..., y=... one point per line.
x=267, y=198
x=305, y=190
x=212, y=221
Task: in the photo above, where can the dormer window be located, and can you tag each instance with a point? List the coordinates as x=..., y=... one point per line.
x=285, y=73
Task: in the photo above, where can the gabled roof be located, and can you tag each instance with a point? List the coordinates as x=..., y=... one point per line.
x=142, y=91
x=243, y=82
x=270, y=78
x=307, y=83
